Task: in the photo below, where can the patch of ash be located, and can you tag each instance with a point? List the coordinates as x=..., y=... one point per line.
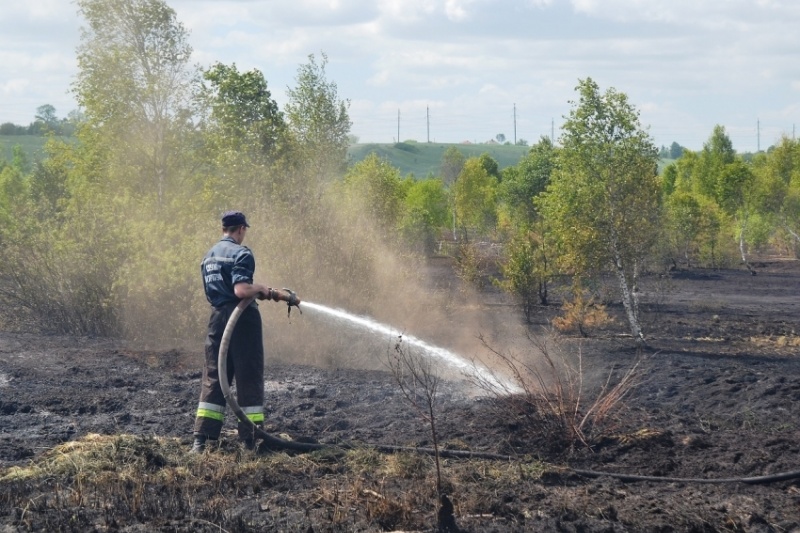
x=283, y=386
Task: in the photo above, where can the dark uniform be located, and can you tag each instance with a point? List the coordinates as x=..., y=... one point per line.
x=225, y=265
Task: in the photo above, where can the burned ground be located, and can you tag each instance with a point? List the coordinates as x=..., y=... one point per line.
x=719, y=397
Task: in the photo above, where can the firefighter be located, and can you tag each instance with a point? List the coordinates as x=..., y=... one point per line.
x=228, y=269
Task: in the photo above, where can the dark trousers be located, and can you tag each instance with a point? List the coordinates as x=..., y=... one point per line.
x=245, y=365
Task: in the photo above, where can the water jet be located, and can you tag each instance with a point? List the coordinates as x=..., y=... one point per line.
x=468, y=368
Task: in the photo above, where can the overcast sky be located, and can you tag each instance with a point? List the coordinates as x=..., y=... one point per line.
x=467, y=70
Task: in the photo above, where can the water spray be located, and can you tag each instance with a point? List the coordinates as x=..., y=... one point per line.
x=469, y=368
x=274, y=442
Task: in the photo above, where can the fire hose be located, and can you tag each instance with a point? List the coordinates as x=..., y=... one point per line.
x=273, y=442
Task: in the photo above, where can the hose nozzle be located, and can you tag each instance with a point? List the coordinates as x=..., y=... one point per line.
x=292, y=300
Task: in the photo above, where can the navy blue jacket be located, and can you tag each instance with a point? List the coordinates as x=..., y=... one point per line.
x=226, y=264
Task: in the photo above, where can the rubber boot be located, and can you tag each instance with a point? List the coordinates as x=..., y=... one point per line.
x=199, y=445
x=247, y=436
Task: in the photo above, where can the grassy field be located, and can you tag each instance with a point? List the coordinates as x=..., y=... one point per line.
x=419, y=159
x=422, y=159
x=32, y=145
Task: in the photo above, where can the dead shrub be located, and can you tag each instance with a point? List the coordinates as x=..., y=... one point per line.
x=555, y=401
x=582, y=314
x=60, y=287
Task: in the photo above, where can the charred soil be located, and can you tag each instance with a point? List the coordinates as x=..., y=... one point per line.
x=94, y=434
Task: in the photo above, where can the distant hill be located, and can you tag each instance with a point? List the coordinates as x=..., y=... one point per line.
x=419, y=159
x=422, y=159
x=32, y=145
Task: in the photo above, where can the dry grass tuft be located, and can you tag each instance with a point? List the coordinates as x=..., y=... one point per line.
x=776, y=341
x=582, y=315
x=111, y=482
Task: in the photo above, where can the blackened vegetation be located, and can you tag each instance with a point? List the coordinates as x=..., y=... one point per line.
x=94, y=435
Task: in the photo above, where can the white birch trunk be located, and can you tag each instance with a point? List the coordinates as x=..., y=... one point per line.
x=741, y=242
x=792, y=233
x=627, y=294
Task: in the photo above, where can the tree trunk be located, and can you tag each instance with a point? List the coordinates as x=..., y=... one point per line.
x=741, y=242
x=792, y=233
x=627, y=295
x=741, y=248
x=635, y=290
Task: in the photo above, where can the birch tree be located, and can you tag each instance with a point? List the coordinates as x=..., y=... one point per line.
x=133, y=83
x=319, y=121
x=602, y=204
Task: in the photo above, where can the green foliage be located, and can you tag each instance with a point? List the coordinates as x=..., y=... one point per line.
x=778, y=190
x=426, y=159
x=717, y=152
x=13, y=191
x=133, y=83
x=475, y=197
x=407, y=147
x=675, y=150
x=685, y=222
x=374, y=188
x=527, y=180
x=452, y=163
x=58, y=274
x=490, y=165
x=526, y=271
x=33, y=146
x=318, y=120
x=734, y=185
x=669, y=177
x=244, y=119
x=603, y=202
x=425, y=210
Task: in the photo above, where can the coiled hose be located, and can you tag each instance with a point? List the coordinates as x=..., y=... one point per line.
x=273, y=442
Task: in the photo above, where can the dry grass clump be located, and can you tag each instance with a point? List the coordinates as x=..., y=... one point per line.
x=106, y=482
x=776, y=341
x=582, y=315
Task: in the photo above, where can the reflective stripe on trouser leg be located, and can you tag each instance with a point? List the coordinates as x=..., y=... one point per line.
x=212, y=411
x=247, y=433
x=255, y=414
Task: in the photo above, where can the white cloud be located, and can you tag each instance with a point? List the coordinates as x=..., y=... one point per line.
x=405, y=10
x=14, y=87
x=456, y=9
x=686, y=64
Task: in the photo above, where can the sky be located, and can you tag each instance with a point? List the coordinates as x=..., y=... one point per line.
x=451, y=71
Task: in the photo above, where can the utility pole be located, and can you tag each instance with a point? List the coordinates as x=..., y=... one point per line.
x=398, y=125
x=428, y=121
x=552, y=131
x=758, y=135
x=515, y=124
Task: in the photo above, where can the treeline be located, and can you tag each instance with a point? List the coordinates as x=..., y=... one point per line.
x=595, y=205
x=105, y=234
x=46, y=122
